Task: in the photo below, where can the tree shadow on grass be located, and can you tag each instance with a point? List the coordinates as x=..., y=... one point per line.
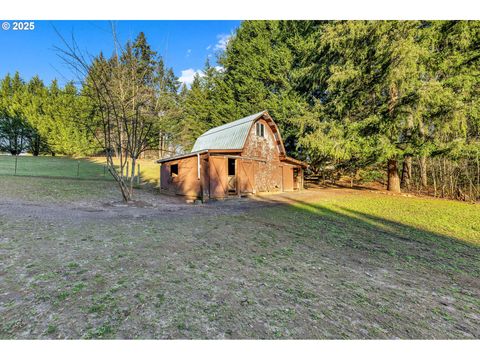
x=149, y=170
x=411, y=281
x=391, y=240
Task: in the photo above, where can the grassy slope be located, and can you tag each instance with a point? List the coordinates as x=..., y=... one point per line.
x=60, y=166
x=48, y=166
x=149, y=169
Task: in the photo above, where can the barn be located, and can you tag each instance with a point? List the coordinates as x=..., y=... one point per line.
x=243, y=157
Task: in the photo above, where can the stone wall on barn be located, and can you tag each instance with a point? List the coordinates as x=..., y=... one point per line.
x=267, y=165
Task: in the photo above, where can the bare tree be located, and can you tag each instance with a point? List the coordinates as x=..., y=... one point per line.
x=124, y=103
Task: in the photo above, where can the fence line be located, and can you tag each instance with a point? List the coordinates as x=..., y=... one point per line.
x=57, y=167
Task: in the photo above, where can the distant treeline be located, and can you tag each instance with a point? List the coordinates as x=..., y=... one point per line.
x=353, y=96
x=42, y=119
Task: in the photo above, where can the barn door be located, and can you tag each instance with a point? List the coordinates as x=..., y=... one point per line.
x=245, y=177
x=218, y=177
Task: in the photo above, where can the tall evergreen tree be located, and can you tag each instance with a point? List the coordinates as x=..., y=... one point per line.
x=34, y=110
x=366, y=76
x=259, y=69
x=14, y=129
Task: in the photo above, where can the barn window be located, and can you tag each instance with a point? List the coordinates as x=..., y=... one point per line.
x=260, y=129
x=231, y=167
x=174, y=170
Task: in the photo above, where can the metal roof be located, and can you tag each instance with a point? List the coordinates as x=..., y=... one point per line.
x=230, y=136
x=181, y=156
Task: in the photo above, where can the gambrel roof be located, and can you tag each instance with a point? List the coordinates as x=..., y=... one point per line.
x=230, y=136
x=233, y=136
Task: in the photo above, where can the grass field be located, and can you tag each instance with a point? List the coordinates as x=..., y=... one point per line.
x=149, y=169
x=318, y=264
x=60, y=166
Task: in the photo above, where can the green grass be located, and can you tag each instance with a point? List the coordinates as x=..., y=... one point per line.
x=101, y=332
x=408, y=215
x=53, y=166
x=149, y=169
x=51, y=329
x=91, y=168
x=51, y=189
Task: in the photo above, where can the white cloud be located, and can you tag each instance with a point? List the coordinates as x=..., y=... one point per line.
x=223, y=40
x=208, y=47
x=188, y=75
x=189, y=51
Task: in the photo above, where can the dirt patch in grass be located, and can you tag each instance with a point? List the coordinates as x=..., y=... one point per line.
x=317, y=264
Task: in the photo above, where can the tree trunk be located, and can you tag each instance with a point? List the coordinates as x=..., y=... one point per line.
x=406, y=172
x=132, y=176
x=36, y=144
x=124, y=188
x=161, y=145
x=392, y=176
x=423, y=171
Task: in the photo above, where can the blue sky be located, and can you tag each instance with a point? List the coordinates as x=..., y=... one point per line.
x=184, y=45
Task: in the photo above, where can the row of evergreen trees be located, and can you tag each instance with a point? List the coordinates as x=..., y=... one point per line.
x=347, y=95
x=42, y=119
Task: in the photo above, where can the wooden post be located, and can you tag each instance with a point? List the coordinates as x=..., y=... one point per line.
x=138, y=174
x=104, y=170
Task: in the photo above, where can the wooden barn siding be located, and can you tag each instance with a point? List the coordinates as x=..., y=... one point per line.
x=164, y=176
x=287, y=178
x=186, y=183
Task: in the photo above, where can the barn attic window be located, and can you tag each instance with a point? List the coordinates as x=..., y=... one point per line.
x=260, y=129
x=174, y=170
